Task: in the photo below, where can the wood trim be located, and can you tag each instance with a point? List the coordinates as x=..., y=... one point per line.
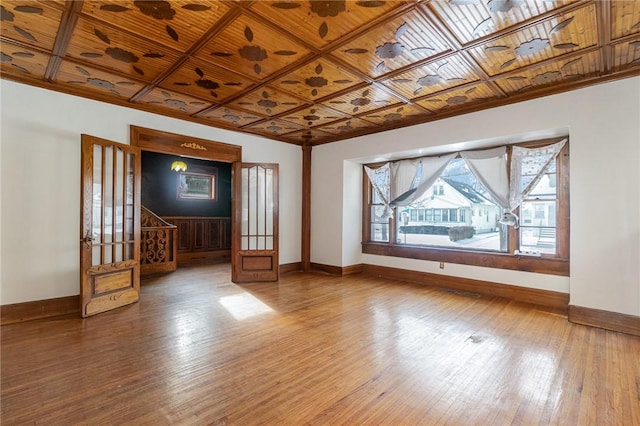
x=622, y=323
x=550, y=299
x=38, y=309
x=539, y=265
x=291, y=267
x=306, y=208
x=204, y=257
x=338, y=270
x=171, y=143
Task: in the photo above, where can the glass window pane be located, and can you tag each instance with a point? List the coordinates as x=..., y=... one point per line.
x=95, y=255
x=244, y=226
x=380, y=232
x=261, y=200
x=252, y=190
x=107, y=191
x=269, y=212
x=97, y=197
x=443, y=216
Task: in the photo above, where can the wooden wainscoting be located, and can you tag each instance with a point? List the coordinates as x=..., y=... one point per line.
x=202, y=239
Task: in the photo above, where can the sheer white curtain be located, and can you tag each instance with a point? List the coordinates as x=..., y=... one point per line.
x=490, y=168
x=432, y=168
x=528, y=165
x=379, y=178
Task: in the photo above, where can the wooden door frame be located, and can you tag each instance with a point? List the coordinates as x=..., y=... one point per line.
x=187, y=146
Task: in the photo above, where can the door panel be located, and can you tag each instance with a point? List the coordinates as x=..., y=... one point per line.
x=255, y=237
x=110, y=229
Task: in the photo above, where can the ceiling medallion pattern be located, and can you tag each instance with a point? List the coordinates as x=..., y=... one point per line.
x=312, y=72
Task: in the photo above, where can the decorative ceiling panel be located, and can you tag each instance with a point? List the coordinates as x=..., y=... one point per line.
x=362, y=100
x=469, y=20
x=90, y=78
x=23, y=62
x=458, y=98
x=108, y=47
x=198, y=78
x=317, y=71
x=32, y=22
x=566, y=70
x=397, y=43
x=267, y=101
x=322, y=22
x=166, y=99
x=433, y=77
x=274, y=127
x=554, y=37
x=231, y=117
x=395, y=114
x=177, y=24
x=313, y=116
x=311, y=136
x=625, y=18
x=344, y=127
x=626, y=55
x=252, y=48
x=317, y=79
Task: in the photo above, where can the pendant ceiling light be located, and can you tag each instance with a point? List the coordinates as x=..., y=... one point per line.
x=179, y=166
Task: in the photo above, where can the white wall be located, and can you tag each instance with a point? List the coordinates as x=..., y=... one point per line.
x=40, y=183
x=603, y=123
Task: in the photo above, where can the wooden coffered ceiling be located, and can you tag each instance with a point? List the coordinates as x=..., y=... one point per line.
x=311, y=72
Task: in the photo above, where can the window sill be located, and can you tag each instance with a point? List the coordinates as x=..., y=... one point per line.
x=541, y=265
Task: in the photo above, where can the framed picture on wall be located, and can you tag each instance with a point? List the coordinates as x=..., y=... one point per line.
x=197, y=186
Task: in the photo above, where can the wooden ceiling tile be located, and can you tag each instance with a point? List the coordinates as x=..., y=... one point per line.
x=313, y=116
x=231, y=117
x=462, y=97
x=625, y=17
x=177, y=24
x=322, y=22
x=469, y=20
x=108, y=47
x=396, y=114
x=398, y=43
x=30, y=22
x=309, y=136
x=22, y=62
x=198, y=78
x=317, y=79
x=433, y=77
x=362, y=100
x=274, y=127
x=93, y=79
x=344, y=127
x=252, y=48
x=562, y=71
x=267, y=101
x=177, y=102
x=627, y=55
x=554, y=37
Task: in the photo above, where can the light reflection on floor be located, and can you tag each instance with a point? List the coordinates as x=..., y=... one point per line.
x=244, y=305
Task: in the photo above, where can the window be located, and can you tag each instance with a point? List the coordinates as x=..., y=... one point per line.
x=457, y=220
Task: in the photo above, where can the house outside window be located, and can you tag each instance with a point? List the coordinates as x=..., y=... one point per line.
x=457, y=204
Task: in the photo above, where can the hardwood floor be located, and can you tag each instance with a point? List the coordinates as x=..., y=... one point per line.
x=319, y=350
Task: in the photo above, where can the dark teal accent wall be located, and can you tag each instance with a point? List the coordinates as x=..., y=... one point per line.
x=160, y=187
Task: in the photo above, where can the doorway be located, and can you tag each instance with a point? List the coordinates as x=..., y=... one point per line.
x=195, y=197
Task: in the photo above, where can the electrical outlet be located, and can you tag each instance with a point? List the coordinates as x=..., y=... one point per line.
x=441, y=265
